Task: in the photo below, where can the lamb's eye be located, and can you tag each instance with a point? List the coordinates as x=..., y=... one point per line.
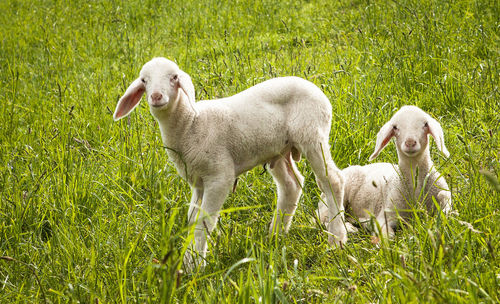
x=394, y=127
x=143, y=80
x=175, y=77
x=426, y=125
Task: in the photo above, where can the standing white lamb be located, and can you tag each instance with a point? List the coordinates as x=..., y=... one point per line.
x=212, y=142
x=384, y=190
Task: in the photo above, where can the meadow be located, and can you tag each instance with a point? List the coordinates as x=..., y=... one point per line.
x=91, y=211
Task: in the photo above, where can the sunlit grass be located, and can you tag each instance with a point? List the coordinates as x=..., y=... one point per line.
x=91, y=210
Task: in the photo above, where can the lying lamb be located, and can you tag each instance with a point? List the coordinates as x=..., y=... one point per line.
x=212, y=142
x=385, y=190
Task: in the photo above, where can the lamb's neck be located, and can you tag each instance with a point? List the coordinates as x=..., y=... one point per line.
x=175, y=121
x=415, y=169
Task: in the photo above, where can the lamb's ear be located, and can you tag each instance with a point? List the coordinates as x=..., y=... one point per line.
x=130, y=99
x=437, y=132
x=187, y=87
x=383, y=137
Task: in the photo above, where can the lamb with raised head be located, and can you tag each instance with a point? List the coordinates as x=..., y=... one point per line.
x=385, y=190
x=212, y=142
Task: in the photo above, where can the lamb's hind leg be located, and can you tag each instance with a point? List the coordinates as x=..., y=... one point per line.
x=331, y=182
x=194, y=205
x=289, y=182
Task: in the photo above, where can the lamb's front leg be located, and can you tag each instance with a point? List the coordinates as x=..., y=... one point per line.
x=444, y=200
x=386, y=221
x=215, y=190
x=194, y=207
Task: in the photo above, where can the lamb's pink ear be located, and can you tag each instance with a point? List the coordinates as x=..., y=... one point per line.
x=383, y=137
x=130, y=99
x=187, y=87
x=437, y=132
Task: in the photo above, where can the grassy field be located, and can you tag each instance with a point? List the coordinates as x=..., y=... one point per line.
x=91, y=210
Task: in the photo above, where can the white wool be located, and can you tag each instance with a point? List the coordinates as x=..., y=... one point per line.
x=384, y=190
x=212, y=142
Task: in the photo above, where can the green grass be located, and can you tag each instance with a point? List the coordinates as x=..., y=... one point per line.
x=92, y=212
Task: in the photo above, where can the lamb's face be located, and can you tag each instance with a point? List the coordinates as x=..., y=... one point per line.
x=160, y=78
x=410, y=127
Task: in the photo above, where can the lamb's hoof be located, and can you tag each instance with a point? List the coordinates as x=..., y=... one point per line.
x=350, y=228
x=337, y=236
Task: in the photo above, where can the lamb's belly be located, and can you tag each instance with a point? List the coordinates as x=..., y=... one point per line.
x=251, y=161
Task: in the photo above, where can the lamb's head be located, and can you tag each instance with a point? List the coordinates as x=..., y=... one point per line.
x=411, y=127
x=162, y=81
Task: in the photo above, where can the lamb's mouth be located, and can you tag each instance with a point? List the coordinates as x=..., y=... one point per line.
x=160, y=105
x=411, y=153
